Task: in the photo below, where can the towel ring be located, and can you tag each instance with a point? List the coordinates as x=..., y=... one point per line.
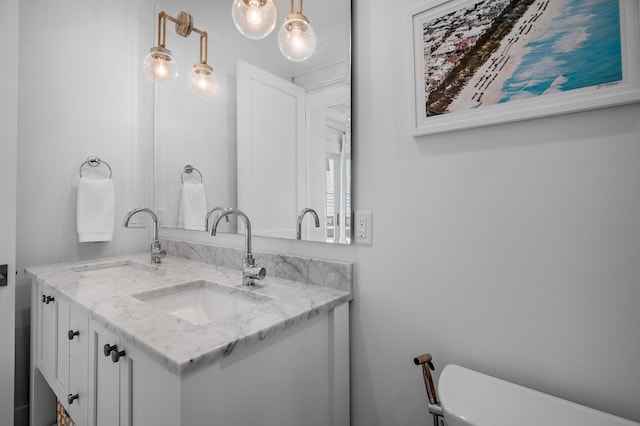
x=95, y=162
x=188, y=169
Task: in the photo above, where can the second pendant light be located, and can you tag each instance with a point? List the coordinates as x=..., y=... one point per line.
x=296, y=38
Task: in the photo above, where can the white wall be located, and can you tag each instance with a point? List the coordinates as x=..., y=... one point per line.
x=513, y=249
x=80, y=94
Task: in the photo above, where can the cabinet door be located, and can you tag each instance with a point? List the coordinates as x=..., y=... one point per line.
x=133, y=378
x=47, y=326
x=108, y=380
x=53, y=348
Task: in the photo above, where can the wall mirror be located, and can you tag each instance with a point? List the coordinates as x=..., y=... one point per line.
x=273, y=140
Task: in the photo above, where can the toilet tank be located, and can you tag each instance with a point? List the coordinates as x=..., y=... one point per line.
x=469, y=398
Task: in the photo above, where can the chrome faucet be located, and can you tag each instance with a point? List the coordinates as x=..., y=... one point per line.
x=157, y=253
x=250, y=272
x=301, y=216
x=208, y=215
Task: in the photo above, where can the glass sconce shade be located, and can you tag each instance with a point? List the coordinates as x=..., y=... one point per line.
x=159, y=66
x=255, y=19
x=202, y=80
x=296, y=38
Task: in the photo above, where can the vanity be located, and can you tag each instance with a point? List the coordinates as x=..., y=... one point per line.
x=120, y=341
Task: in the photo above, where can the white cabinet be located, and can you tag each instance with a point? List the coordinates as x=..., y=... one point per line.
x=62, y=351
x=298, y=376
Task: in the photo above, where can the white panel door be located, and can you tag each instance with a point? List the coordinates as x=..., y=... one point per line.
x=8, y=161
x=271, y=135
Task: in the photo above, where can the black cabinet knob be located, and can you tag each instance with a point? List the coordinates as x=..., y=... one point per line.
x=72, y=333
x=49, y=299
x=108, y=348
x=71, y=398
x=115, y=355
x=113, y=351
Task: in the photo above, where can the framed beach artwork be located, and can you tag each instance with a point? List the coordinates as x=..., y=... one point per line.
x=483, y=62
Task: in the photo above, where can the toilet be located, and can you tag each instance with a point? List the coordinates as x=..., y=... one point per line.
x=469, y=398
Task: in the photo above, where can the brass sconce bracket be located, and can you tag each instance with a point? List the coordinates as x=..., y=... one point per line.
x=299, y=12
x=294, y=16
x=184, y=27
x=184, y=24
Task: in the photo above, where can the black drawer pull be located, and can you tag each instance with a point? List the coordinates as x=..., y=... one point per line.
x=72, y=333
x=71, y=398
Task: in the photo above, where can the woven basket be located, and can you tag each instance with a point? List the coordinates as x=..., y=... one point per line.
x=63, y=417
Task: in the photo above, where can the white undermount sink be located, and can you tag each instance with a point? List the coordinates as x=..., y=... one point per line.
x=114, y=269
x=201, y=302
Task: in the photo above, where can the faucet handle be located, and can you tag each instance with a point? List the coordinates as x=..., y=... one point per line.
x=252, y=273
x=255, y=272
x=157, y=252
x=157, y=256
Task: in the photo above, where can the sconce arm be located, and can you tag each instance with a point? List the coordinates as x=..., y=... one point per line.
x=184, y=27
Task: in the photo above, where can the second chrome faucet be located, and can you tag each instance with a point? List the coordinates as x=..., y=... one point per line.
x=250, y=271
x=157, y=253
x=301, y=216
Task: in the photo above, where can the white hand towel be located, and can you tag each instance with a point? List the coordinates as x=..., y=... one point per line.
x=193, y=206
x=95, y=210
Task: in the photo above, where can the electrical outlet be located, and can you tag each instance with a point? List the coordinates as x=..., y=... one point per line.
x=364, y=227
x=138, y=220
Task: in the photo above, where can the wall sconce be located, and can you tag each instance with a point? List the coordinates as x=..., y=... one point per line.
x=255, y=19
x=296, y=38
x=160, y=66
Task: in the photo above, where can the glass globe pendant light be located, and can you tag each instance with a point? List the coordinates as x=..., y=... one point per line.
x=254, y=19
x=159, y=66
x=202, y=80
x=296, y=38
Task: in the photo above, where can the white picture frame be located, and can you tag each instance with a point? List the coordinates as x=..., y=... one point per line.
x=624, y=91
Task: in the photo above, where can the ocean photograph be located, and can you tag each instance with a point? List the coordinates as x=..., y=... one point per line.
x=497, y=51
x=580, y=48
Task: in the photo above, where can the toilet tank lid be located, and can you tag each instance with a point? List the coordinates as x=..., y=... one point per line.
x=476, y=399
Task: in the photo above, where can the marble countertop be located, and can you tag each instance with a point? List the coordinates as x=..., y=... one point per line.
x=181, y=346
